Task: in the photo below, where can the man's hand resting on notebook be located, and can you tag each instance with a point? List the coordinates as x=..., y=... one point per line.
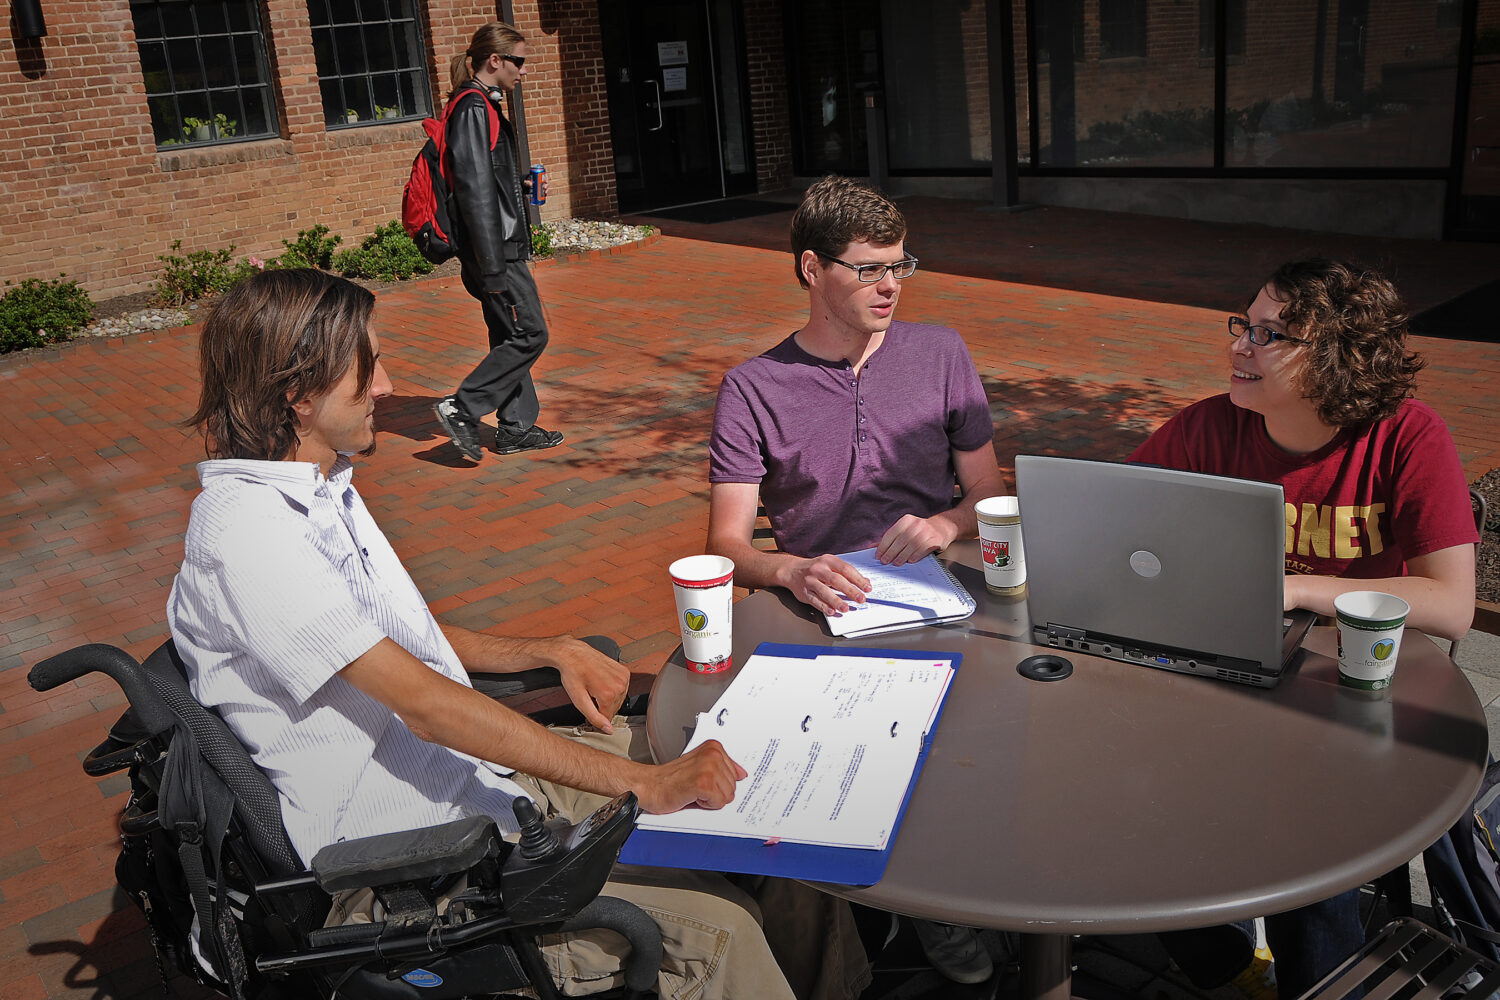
x=826, y=582
x=704, y=776
x=913, y=538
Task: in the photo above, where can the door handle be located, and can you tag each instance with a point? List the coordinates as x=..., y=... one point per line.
x=659, y=122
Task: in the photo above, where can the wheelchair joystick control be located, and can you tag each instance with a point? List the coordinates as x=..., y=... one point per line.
x=537, y=842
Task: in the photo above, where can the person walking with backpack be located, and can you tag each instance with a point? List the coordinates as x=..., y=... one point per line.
x=493, y=237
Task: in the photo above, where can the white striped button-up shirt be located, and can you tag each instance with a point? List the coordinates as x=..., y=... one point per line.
x=285, y=581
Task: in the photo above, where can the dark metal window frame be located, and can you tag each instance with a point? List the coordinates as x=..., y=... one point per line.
x=406, y=36
x=1208, y=33
x=221, y=100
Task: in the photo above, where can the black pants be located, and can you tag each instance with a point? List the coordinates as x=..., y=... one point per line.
x=501, y=382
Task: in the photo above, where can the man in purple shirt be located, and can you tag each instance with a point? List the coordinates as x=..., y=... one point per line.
x=853, y=432
x=854, y=429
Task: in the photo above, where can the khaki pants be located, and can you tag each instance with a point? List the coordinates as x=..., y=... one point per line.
x=714, y=946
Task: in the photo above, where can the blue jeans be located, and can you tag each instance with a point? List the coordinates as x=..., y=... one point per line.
x=1307, y=943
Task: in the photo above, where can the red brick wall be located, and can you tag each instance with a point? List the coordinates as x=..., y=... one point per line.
x=765, y=61
x=567, y=110
x=89, y=195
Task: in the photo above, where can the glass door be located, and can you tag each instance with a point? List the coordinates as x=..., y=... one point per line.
x=667, y=74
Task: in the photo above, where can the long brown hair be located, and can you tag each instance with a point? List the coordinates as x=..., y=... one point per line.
x=276, y=338
x=1358, y=369
x=496, y=36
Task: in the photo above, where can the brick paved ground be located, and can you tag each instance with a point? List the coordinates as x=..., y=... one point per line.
x=1084, y=358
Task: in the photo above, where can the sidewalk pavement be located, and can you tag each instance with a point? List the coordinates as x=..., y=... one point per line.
x=98, y=473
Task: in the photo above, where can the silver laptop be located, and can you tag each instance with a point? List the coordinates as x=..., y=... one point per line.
x=1176, y=570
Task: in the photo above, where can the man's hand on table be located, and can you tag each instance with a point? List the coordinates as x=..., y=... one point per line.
x=704, y=776
x=826, y=582
x=913, y=538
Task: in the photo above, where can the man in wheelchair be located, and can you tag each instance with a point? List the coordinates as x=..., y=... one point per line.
x=298, y=624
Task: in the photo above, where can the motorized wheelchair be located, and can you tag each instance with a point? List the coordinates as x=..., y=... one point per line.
x=228, y=902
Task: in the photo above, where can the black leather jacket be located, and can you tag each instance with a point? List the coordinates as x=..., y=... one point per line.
x=492, y=223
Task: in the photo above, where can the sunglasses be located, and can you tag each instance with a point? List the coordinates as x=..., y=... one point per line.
x=516, y=61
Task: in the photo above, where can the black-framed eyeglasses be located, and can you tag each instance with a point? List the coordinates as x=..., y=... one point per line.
x=516, y=61
x=1260, y=336
x=871, y=273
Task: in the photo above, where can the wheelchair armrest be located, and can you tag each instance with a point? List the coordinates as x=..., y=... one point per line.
x=522, y=682
x=406, y=856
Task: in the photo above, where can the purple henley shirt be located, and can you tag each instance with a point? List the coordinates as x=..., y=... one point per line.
x=840, y=458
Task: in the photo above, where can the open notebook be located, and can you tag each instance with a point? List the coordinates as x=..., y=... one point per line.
x=902, y=597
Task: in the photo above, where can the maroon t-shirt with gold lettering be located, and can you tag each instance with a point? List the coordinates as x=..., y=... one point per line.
x=1360, y=506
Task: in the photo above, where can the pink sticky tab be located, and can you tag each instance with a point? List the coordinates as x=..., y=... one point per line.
x=773, y=841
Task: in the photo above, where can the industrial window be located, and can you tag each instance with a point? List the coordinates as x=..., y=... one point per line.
x=371, y=60
x=205, y=69
x=1122, y=28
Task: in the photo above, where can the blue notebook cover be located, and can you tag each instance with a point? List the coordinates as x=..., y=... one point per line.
x=813, y=862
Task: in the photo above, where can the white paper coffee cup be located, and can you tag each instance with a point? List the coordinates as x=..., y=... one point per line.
x=704, y=588
x=1370, y=626
x=1000, y=544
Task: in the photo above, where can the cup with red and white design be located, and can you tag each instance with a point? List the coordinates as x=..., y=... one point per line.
x=704, y=588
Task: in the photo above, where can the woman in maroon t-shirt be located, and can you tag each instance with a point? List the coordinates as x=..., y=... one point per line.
x=1319, y=401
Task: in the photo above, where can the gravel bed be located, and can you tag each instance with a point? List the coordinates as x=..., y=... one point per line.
x=131, y=314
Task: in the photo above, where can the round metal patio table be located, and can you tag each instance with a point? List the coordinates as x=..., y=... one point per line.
x=1126, y=799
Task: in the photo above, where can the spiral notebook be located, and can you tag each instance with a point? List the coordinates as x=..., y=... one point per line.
x=901, y=597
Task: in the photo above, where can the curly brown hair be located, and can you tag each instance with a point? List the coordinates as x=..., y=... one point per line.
x=1358, y=369
x=835, y=212
x=275, y=338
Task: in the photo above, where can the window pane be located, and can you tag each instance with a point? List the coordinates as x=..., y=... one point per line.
x=385, y=91
x=243, y=16
x=1369, y=85
x=351, y=48
x=317, y=12
x=334, y=105
x=1154, y=109
x=258, y=119
x=937, y=94
x=324, y=52
x=154, y=68
x=362, y=56
x=247, y=58
x=177, y=20
x=835, y=54
x=147, y=21
x=204, y=69
x=1122, y=29
x=211, y=18
x=218, y=60
x=378, y=48
x=187, y=71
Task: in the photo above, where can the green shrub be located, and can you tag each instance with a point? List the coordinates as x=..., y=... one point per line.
x=312, y=248
x=387, y=254
x=200, y=273
x=36, y=312
x=541, y=240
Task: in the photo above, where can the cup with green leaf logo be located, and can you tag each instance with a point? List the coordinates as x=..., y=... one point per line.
x=1370, y=626
x=704, y=589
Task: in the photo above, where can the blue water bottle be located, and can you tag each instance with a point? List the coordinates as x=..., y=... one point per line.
x=538, y=175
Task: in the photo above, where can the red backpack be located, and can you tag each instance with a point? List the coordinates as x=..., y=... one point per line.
x=427, y=201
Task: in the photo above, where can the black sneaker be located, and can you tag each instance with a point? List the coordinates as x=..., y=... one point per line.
x=533, y=438
x=461, y=429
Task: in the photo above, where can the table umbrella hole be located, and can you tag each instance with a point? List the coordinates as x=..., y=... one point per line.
x=1045, y=667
